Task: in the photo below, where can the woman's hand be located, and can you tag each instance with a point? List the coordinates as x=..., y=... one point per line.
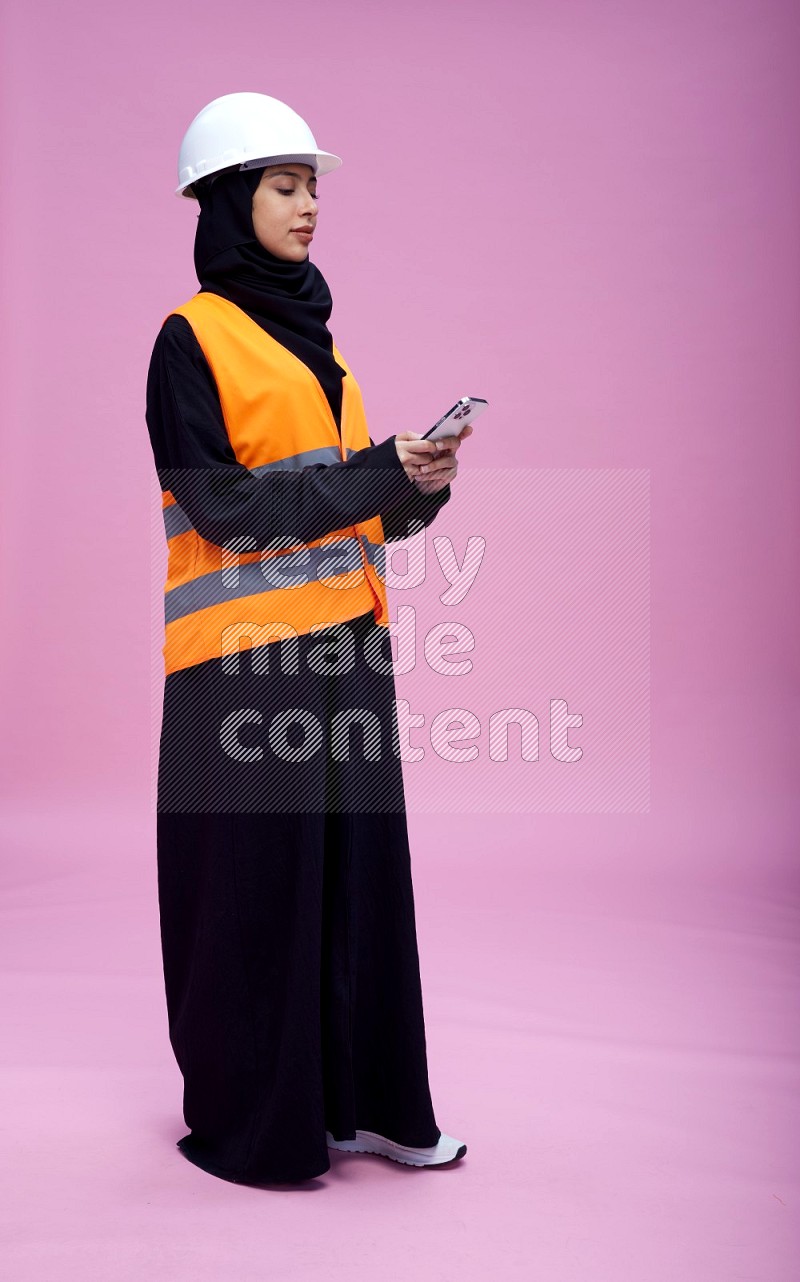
x=413, y=452
x=439, y=468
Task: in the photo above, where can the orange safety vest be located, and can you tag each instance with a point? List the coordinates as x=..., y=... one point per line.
x=276, y=415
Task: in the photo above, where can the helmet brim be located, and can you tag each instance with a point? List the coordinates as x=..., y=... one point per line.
x=324, y=162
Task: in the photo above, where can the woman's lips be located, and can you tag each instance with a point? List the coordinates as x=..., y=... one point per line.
x=304, y=235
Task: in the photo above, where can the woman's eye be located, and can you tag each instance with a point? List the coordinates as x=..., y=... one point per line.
x=289, y=191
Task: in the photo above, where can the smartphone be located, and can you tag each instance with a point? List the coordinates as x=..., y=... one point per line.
x=450, y=424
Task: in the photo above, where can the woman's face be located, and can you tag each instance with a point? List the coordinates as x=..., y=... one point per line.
x=284, y=201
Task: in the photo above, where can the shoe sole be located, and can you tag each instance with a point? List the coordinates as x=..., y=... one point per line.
x=369, y=1142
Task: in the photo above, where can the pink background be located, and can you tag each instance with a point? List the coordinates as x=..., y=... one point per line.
x=587, y=214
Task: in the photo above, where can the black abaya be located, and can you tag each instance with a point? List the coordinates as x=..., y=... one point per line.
x=289, y=942
x=285, y=894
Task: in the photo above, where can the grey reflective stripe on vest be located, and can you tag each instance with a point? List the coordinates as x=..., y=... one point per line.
x=177, y=522
x=294, y=462
x=337, y=558
x=375, y=554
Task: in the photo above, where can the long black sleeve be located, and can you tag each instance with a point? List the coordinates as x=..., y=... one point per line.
x=414, y=506
x=223, y=499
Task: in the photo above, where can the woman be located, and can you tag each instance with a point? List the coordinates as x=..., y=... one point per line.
x=285, y=896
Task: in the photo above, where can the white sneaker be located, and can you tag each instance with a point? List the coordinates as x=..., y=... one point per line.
x=447, y=1150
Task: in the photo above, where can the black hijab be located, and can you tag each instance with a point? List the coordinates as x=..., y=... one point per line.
x=290, y=300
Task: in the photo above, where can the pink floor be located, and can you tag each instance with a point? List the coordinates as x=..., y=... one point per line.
x=612, y=1027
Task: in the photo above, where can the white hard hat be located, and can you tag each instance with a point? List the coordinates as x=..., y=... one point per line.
x=250, y=130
